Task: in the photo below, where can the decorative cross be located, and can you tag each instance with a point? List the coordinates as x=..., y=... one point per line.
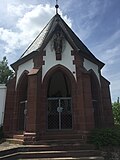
x=56, y=6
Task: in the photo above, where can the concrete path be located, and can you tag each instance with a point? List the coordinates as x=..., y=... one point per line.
x=7, y=145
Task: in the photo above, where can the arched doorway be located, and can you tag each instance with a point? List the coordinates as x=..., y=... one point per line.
x=22, y=101
x=59, y=106
x=95, y=90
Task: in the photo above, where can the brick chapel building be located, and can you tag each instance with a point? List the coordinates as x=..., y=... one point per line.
x=58, y=88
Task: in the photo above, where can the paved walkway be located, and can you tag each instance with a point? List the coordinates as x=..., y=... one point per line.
x=7, y=145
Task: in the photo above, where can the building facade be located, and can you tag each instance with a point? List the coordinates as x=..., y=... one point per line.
x=58, y=88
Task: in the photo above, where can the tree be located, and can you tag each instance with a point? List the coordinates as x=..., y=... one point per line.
x=5, y=72
x=116, y=111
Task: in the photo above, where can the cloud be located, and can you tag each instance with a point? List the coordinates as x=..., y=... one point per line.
x=35, y=19
x=115, y=85
x=27, y=22
x=90, y=14
x=9, y=38
x=18, y=10
x=108, y=49
x=111, y=54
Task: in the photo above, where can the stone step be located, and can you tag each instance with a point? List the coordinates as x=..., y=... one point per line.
x=45, y=142
x=15, y=141
x=66, y=135
x=37, y=148
x=18, y=136
x=68, y=158
x=51, y=151
x=60, y=141
x=52, y=154
x=61, y=147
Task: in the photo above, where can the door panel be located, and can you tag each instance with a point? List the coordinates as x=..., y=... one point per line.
x=53, y=115
x=59, y=113
x=21, y=117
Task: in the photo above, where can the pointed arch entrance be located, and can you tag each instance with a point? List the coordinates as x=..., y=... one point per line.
x=22, y=101
x=59, y=100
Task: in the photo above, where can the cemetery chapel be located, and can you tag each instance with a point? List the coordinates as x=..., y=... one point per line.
x=58, y=89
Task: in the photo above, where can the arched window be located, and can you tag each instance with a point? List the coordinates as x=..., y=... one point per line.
x=59, y=85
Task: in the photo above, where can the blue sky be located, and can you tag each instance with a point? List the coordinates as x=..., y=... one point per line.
x=96, y=22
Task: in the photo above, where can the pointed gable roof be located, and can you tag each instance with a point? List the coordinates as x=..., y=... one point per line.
x=37, y=43
x=42, y=39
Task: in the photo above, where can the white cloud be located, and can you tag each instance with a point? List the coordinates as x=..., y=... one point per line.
x=35, y=19
x=109, y=49
x=9, y=38
x=115, y=85
x=89, y=14
x=26, y=26
x=18, y=10
x=110, y=54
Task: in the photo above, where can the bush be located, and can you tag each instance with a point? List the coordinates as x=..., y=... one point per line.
x=116, y=112
x=105, y=137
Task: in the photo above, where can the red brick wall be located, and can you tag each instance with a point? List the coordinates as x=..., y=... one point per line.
x=88, y=106
x=20, y=95
x=107, y=105
x=82, y=107
x=9, y=108
x=96, y=99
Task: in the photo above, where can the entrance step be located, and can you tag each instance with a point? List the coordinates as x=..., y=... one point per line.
x=51, y=154
x=65, y=151
x=60, y=141
x=52, y=148
x=68, y=158
x=15, y=141
x=46, y=142
x=62, y=135
x=18, y=136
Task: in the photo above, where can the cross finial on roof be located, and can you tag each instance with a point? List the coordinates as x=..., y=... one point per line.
x=56, y=6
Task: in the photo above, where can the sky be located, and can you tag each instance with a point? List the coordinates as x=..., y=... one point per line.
x=96, y=23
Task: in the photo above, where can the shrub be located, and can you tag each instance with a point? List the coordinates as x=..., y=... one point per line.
x=116, y=112
x=105, y=137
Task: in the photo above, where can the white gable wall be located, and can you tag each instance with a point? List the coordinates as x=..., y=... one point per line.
x=90, y=65
x=50, y=59
x=2, y=102
x=25, y=66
